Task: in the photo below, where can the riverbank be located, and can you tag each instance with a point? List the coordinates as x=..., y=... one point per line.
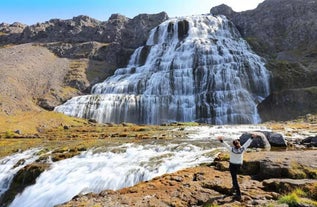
x=211, y=185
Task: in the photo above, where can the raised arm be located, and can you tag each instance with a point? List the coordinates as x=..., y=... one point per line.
x=228, y=147
x=248, y=142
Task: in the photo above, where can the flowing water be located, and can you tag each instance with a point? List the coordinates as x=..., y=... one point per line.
x=116, y=166
x=12, y=164
x=195, y=68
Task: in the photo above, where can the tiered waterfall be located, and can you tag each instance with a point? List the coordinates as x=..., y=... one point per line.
x=195, y=68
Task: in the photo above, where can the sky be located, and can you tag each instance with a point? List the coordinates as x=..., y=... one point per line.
x=33, y=11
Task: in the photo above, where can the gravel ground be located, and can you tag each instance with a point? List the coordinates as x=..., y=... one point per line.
x=28, y=72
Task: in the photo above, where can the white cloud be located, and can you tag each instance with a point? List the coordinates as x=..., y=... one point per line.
x=240, y=5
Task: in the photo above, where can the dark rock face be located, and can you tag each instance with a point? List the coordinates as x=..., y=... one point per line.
x=75, y=36
x=288, y=104
x=278, y=24
x=24, y=178
x=12, y=28
x=284, y=32
x=84, y=29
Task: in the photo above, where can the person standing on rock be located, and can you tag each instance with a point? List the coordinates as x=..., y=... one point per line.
x=236, y=160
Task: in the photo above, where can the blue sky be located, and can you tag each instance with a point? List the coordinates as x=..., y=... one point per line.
x=33, y=11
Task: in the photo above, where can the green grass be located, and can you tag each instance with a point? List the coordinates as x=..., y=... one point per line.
x=210, y=205
x=296, y=198
x=290, y=199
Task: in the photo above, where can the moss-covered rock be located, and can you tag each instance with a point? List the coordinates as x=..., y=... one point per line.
x=289, y=104
x=290, y=75
x=62, y=154
x=23, y=178
x=287, y=185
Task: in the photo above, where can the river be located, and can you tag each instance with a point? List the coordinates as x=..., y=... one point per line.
x=116, y=166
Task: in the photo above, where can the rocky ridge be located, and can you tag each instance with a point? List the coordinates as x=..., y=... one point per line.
x=130, y=33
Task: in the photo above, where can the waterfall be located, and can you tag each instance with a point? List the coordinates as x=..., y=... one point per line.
x=195, y=68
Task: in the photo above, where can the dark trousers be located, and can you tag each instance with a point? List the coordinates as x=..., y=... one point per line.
x=234, y=168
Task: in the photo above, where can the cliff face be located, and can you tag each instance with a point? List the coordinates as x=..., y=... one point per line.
x=278, y=25
x=284, y=32
x=120, y=34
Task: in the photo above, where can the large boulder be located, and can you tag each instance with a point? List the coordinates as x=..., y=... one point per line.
x=264, y=139
x=310, y=141
x=287, y=185
x=260, y=141
x=276, y=139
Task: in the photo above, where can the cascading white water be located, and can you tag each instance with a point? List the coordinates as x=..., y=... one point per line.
x=91, y=172
x=194, y=68
x=117, y=166
x=12, y=164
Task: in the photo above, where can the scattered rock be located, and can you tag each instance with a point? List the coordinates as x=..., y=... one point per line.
x=310, y=141
x=18, y=131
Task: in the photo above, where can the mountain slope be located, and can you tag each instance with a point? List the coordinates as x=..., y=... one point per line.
x=28, y=73
x=284, y=32
x=47, y=63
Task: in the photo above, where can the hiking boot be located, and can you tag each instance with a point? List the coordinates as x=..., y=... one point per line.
x=237, y=197
x=232, y=191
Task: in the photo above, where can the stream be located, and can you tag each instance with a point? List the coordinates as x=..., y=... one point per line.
x=115, y=167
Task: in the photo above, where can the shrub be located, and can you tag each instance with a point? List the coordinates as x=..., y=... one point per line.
x=290, y=199
x=298, y=197
x=9, y=134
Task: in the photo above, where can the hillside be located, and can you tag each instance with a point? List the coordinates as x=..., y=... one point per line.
x=44, y=65
x=29, y=73
x=33, y=78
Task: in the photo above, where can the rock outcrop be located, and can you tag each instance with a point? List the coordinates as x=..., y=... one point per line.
x=290, y=103
x=277, y=25
x=283, y=31
x=128, y=32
